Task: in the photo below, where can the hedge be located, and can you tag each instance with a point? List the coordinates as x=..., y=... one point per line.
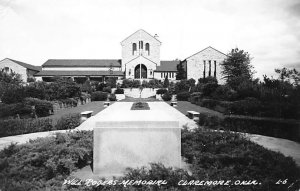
x=11, y=127
x=254, y=125
x=264, y=126
x=99, y=96
x=68, y=121
x=119, y=91
x=183, y=96
x=42, y=107
x=161, y=91
x=11, y=110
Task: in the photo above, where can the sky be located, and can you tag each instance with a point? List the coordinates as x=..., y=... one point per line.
x=33, y=31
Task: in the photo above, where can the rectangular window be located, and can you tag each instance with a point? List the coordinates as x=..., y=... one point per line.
x=209, y=71
x=161, y=75
x=215, y=71
x=204, y=65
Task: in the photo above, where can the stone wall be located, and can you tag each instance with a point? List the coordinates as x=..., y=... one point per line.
x=195, y=64
x=141, y=35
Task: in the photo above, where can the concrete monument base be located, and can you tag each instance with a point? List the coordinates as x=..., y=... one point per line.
x=135, y=139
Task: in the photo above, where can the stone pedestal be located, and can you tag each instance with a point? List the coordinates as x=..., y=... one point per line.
x=137, y=138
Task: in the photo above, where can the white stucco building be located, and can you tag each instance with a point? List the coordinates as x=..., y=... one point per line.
x=140, y=60
x=25, y=70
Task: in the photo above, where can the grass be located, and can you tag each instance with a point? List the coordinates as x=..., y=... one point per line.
x=95, y=106
x=184, y=106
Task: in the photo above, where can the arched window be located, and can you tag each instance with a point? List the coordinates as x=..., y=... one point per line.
x=148, y=48
x=133, y=48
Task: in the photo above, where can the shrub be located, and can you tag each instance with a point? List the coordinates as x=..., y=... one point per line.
x=224, y=92
x=209, y=103
x=99, y=96
x=209, y=120
x=21, y=126
x=182, y=86
x=119, y=91
x=11, y=127
x=111, y=82
x=183, y=96
x=42, y=107
x=248, y=106
x=209, y=88
x=69, y=121
x=166, y=96
x=43, y=164
x=35, y=90
x=11, y=110
x=107, y=89
x=161, y=91
x=219, y=155
x=112, y=97
x=14, y=94
x=263, y=126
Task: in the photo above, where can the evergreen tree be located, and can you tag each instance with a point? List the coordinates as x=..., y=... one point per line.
x=166, y=82
x=237, y=68
x=180, y=75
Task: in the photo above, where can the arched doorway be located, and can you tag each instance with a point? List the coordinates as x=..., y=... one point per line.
x=140, y=71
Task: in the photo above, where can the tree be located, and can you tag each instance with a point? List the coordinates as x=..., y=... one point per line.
x=290, y=75
x=237, y=68
x=8, y=81
x=180, y=75
x=166, y=82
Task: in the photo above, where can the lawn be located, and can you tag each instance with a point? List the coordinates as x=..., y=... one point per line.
x=95, y=106
x=184, y=106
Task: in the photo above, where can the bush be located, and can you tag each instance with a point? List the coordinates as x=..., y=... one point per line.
x=42, y=107
x=22, y=126
x=183, y=96
x=166, y=96
x=119, y=91
x=263, y=126
x=222, y=156
x=107, y=89
x=11, y=110
x=209, y=88
x=224, y=92
x=99, y=96
x=209, y=103
x=14, y=94
x=69, y=121
x=161, y=91
x=209, y=120
x=11, y=127
x=112, y=97
x=248, y=106
x=43, y=164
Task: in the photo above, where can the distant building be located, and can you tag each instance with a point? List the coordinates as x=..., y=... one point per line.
x=140, y=60
x=25, y=70
x=204, y=63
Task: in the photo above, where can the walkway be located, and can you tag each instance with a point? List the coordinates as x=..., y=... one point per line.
x=113, y=111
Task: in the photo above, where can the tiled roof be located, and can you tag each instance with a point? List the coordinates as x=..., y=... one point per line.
x=82, y=63
x=167, y=66
x=28, y=66
x=78, y=73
